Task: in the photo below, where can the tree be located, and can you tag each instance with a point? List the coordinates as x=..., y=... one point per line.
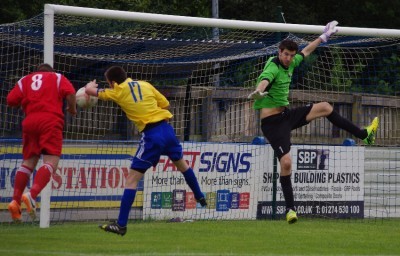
x=350, y=13
x=13, y=11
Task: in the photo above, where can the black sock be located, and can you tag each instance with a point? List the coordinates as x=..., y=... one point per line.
x=287, y=190
x=346, y=125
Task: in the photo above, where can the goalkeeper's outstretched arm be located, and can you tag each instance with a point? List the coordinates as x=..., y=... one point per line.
x=260, y=91
x=330, y=29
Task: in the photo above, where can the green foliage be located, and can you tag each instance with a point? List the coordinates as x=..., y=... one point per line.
x=338, y=75
x=238, y=74
x=342, y=77
x=388, y=77
x=379, y=14
x=13, y=11
x=347, y=73
x=382, y=78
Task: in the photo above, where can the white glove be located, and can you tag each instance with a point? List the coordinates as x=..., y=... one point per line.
x=256, y=95
x=330, y=29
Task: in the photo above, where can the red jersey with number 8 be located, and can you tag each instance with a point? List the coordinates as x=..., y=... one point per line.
x=41, y=92
x=41, y=95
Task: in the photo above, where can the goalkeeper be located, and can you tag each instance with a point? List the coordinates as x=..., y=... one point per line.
x=277, y=120
x=147, y=108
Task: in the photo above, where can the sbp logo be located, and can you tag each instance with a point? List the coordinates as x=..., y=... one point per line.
x=312, y=159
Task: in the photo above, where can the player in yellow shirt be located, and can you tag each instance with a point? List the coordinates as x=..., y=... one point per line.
x=147, y=108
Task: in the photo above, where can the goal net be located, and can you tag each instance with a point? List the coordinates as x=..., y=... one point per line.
x=206, y=68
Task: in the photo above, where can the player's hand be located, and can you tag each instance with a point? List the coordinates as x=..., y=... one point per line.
x=72, y=110
x=256, y=95
x=92, y=84
x=330, y=29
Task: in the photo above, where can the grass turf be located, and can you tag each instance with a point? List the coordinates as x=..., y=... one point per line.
x=307, y=237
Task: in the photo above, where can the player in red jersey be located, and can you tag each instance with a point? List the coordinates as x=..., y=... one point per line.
x=41, y=95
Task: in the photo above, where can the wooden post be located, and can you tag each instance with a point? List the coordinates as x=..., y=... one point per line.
x=357, y=113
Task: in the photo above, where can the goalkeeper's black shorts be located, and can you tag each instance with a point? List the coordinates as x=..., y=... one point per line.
x=277, y=128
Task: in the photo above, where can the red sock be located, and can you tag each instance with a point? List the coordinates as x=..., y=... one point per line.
x=42, y=177
x=21, y=180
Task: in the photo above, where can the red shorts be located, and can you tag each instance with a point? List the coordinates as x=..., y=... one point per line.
x=42, y=134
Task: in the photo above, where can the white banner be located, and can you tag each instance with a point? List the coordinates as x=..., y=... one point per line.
x=236, y=179
x=327, y=181
x=226, y=174
x=83, y=178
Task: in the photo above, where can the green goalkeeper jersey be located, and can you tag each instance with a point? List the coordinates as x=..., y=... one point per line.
x=279, y=79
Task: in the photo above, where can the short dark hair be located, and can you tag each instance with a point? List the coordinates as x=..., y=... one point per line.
x=288, y=45
x=45, y=67
x=116, y=74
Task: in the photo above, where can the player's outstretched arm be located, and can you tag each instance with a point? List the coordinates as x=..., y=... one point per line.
x=71, y=103
x=14, y=97
x=91, y=88
x=260, y=92
x=330, y=29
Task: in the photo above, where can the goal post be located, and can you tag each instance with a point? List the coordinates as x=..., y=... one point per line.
x=51, y=9
x=207, y=80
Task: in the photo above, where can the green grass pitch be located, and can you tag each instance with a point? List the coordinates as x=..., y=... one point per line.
x=307, y=237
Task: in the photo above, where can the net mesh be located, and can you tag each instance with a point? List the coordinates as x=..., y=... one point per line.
x=206, y=74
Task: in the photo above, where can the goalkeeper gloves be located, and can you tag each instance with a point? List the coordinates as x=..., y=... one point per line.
x=330, y=29
x=256, y=95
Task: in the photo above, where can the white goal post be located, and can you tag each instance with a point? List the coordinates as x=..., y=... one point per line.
x=51, y=10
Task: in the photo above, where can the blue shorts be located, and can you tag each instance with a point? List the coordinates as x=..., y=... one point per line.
x=159, y=139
